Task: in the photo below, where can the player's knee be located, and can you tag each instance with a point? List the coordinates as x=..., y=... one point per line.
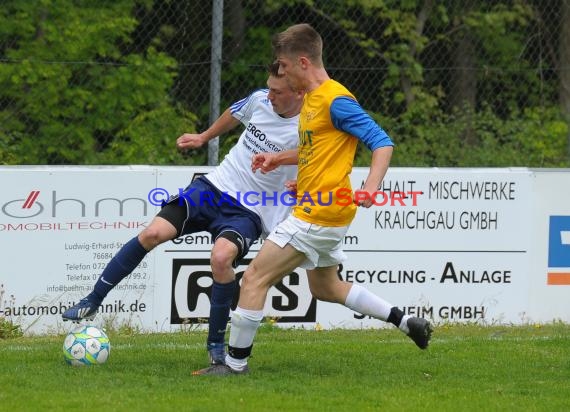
x=151, y=237
x=221, y=260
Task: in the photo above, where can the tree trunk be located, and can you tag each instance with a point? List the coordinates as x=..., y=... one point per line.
x=405, y=80
x=235, y=20
x=564, y=64
x=463, y=82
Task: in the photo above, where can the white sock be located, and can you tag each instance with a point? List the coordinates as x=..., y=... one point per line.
x=404, y=324
x=242, y=332
x=363, y=301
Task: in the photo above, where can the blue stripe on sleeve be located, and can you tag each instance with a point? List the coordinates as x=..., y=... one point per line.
x=237, y=106
x=347, y=115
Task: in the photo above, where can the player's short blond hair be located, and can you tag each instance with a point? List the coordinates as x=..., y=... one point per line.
x=299, y=40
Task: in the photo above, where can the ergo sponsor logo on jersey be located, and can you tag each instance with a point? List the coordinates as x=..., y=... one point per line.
x=35, y=205
x=289, y=301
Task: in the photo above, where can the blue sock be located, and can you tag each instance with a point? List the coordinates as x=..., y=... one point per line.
x=220, y=303
x=118, y=268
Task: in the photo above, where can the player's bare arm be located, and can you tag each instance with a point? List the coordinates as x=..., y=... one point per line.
x=266, y=162
x=223, y=124
x=378, y=168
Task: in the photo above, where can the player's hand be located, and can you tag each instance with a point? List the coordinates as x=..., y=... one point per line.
x=291, y=185
x=190, y=141
x=266, y=162
x=363, y=198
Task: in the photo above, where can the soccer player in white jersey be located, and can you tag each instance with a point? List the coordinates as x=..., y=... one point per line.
x=215, y=203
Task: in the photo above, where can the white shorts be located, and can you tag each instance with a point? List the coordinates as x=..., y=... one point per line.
x=322, y=245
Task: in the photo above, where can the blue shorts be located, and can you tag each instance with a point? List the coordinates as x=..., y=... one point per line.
x=201, y=208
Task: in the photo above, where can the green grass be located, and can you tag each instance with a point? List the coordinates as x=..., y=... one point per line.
x=466, y=368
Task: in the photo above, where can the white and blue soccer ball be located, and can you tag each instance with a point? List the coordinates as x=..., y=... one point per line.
x=86, y=345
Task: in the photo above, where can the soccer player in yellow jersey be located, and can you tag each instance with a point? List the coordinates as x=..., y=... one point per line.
x=330, y=124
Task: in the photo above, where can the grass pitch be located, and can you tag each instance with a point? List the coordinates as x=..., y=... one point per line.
x=466, y=368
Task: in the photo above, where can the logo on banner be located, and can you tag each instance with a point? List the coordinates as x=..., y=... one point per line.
x=22, y=208
x=559, y=251
x=55, y=205
x=289, y=301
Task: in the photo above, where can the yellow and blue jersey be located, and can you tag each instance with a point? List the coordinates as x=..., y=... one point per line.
x=330, y=124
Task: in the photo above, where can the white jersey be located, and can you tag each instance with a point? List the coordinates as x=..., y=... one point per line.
x=265, y=131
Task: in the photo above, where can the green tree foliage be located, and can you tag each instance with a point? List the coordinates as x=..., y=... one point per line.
x=497, y=107
x=534, y=137
x=471, y=83
x=74, y=95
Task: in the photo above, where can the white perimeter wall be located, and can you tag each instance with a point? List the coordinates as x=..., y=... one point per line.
x=478, y=246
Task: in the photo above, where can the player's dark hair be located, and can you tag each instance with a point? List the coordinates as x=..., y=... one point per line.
x=273, y=69
x=299, y=39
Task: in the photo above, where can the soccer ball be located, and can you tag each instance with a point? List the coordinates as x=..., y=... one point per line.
x=86, y=345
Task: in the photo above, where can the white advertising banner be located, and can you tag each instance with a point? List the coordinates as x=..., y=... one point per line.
x=461, y=245
x=451, y=250
x=59, y=227
x=549, y=271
